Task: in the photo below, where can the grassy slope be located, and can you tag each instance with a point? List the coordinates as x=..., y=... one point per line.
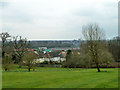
x=61, y=78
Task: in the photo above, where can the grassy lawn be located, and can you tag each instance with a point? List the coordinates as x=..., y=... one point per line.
x=60, y=78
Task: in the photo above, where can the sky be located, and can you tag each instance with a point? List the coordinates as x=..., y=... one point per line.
x=57, y=19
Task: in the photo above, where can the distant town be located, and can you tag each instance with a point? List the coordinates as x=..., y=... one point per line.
x=53, y=50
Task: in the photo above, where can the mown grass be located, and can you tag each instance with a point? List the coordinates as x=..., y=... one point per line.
x=60, y=78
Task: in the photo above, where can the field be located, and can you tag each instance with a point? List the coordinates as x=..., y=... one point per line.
x=60, y=78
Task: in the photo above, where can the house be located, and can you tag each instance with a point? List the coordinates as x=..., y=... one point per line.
x=52, y=56
x=63, y=55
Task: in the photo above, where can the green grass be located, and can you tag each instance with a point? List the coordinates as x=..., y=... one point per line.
x=60, y=78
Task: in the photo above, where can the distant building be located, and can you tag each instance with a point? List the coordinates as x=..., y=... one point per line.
x=40, y=48
x=52, y=57
x=45, y=50
x=63, y=55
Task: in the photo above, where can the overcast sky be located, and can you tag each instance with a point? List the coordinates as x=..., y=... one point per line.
x=57, y=19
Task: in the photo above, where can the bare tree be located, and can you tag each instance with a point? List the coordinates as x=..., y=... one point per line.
x=20, y=44
x=7, y=62
x=29, y=59
x=94, y=47
x=4, y=36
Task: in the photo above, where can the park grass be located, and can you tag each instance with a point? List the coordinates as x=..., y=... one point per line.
x=60, y=78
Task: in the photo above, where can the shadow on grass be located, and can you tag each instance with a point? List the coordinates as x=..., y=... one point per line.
x=103, y=71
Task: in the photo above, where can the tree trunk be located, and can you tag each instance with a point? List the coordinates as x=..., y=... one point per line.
x=98, y=68
x=29, y=69
x=3, y=53
x=6, y=69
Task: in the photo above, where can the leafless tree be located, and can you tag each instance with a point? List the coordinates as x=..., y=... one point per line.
x=20, y=44
x=29, y=59
x=4, y=36
x=94, y=48
x=7, y=62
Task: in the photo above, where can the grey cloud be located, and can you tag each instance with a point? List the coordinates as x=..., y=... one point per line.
x=34, y=20
x=3, y=3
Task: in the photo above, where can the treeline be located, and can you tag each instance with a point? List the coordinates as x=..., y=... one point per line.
x=55, y=44
x=114, y=48
x=94, y=51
